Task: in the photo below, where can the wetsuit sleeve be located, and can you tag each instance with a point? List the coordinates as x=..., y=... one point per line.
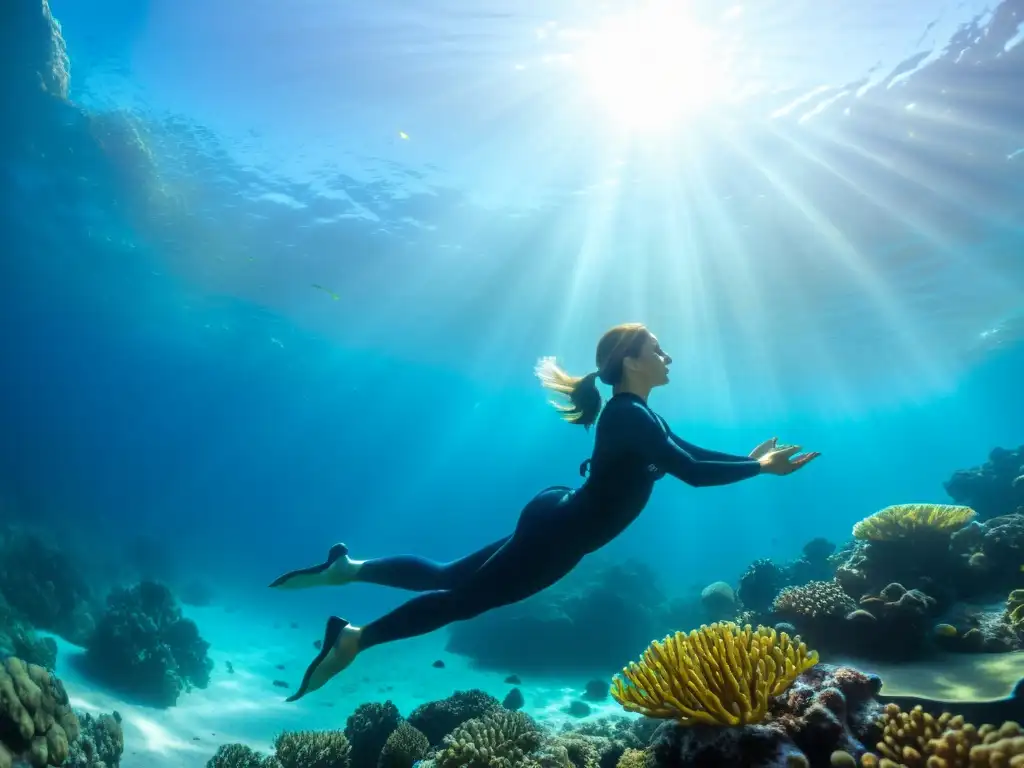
x=701, y=454
x=641, y=433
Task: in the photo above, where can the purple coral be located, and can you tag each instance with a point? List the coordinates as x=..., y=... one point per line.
x=828, y=708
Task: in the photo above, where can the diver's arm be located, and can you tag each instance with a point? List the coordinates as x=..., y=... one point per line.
x=701, y=454
x=640, y=432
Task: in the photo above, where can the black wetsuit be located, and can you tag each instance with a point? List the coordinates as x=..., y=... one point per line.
x=633, y=448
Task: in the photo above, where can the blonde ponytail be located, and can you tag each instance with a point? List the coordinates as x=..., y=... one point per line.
x=584, y=397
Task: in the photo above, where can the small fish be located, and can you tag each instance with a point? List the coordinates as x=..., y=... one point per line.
x=438, y=664
x=403, y=135
x=280, y=684
x=328, y=291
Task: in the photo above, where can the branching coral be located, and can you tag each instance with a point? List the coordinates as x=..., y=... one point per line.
x=499, y=740
x=719, y=674
x=907, y=521
x=404, y=747
x=436, y=719
x=368, y=729
x=916, y=739
x=819, y=598
x=313, y=749
x=36, y=721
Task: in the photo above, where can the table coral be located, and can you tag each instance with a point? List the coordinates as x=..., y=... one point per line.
x=908, y=521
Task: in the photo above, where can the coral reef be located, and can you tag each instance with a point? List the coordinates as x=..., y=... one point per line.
x=368, y=729
x=827, y=709
x=37, y=724
x=144, y=646
x=718, y=601
x=717, y=674
x=990, y=554
x=240, y=756
x=993, y=489
x=436, y=719
x=914, y=522
x=498, y=740
x=916, y=738
x=403, y=747
x=17, y=638
x=44, y=586
x=759, y=585
x=100, y=743
x=312, y=749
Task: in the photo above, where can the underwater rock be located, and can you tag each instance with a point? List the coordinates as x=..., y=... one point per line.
x=514, y=700
x=144, y=646
x=990, y=554
x=35, y=59
x=577, y=708
x=991, y=489
x=596, y=690
x=828, y=708
x=438, y=664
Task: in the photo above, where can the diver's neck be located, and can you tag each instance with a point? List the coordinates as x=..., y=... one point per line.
x=642, y=392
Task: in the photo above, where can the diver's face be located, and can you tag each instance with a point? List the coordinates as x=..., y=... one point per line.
x=651, y=366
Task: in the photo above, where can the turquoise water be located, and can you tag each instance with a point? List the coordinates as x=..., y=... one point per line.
x=277, y=275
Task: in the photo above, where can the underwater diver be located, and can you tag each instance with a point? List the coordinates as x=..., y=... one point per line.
x=633, y=448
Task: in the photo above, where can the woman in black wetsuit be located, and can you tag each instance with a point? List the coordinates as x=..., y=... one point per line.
x=633, y=448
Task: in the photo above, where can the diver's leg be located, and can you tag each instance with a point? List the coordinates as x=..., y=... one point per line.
x=419, y=574
x=401, y=571
x=535, y=557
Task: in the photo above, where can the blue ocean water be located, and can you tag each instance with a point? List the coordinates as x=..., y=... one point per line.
x=277, y=275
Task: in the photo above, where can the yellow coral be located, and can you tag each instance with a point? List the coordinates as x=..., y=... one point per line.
x=1015, y=609
x=718, y=675
x=632, y=758
x=902, y=521
x=916, y=738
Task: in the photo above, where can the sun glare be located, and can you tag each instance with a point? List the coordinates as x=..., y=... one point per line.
x=651, y=67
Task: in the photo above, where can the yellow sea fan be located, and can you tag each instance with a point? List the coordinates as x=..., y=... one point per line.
x=716, y=675
x=903, y=521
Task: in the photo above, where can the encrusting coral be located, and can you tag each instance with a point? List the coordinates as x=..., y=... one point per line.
x=719, y=674
x=819, y=598
x=904, y=521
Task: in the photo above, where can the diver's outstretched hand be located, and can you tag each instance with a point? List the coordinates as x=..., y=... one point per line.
x=786, y=460
x=764, y=448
